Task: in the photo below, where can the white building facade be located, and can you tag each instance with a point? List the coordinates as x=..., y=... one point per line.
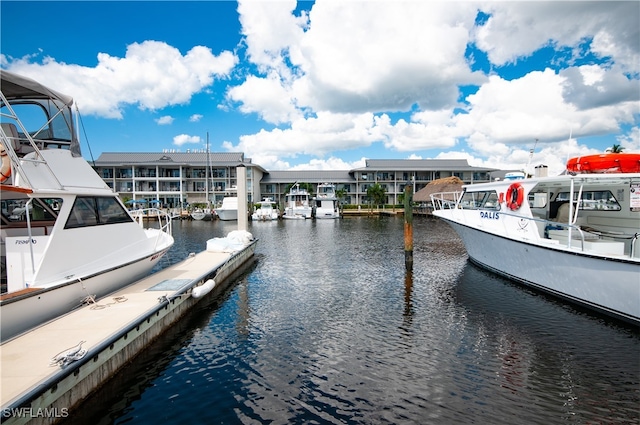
x=174, y=179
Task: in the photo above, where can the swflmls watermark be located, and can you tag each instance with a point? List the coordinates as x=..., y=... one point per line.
x=30, y=412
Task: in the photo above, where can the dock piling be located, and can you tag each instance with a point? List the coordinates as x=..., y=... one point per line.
x=408, y=227
x=243, y=215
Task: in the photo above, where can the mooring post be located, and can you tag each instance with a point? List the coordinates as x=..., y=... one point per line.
x=408, y=227
x=243, y=216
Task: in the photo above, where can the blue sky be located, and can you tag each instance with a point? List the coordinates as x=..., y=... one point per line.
x=328, y=84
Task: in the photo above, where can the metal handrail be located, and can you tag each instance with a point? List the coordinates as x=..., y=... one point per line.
x=439, y=202
x=164, y=219
x=13, y=156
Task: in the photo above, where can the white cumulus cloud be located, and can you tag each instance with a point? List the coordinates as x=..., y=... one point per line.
x=183, y=139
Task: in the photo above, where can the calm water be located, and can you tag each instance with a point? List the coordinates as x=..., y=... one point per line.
x=327, y=327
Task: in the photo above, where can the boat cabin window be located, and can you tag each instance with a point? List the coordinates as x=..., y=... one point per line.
x=487, y=200
x=538, y=198
x=93, y=211
x=40, y=209
x=592, y=200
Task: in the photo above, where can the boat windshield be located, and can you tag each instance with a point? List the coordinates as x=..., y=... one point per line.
x=487, y=200
x=326, y=190
x=93, y=211
x=47, y=121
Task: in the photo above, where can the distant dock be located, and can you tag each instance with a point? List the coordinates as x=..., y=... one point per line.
x=363, y=212
x=104, y=336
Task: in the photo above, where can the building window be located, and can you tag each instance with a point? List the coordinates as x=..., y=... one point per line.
x=124, y=173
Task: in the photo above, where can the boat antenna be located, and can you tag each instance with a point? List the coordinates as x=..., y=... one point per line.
x=570, y=138
x=531, y=156
x=84, y=131
x=206, y=173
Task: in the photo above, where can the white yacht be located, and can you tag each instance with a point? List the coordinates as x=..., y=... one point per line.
x=205, y=214
x=266, y=211
x=228, y=211
x=65, y=236
x=297, y=205
x=327, y=202
x=574, y=236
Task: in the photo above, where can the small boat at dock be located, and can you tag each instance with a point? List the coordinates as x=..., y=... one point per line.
x=574, y=236
x=228, y=211
x=297, y=205
x=327, y=202
x=265, y=211
x=205, y=214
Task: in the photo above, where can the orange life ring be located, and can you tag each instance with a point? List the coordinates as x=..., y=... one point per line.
x=5, y=167
x=515, y=196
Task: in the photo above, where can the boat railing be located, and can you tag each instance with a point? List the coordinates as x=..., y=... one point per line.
x=165, y=221
x=451, y=200
x=12, y=142
x=445, y=200
x=583, y=231
x=553, y=225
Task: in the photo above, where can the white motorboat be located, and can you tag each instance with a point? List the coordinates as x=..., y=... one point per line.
x=65, y=236
x=573, y=235
x=327, y=202
x=266, y=211
x=228, y=211
x=297, y=204
x=202, y=214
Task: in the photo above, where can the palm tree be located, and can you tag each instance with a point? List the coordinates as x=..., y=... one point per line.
x=340, y=194
x=376, y=194
x=616, y=149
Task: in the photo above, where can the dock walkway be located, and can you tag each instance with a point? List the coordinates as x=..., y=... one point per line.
x=111, y=330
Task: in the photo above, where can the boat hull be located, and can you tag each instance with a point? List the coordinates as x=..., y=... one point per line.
x=606, y=285
x=201, y=215
x=299, y=213
x=20, y=313
x=264, y=216
x=327, y=215
x=227, y=215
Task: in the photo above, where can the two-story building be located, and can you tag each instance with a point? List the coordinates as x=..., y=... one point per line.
x=173, y=178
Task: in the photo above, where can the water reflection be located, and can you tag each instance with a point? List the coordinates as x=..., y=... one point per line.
x=408, y=289
x=330, y=327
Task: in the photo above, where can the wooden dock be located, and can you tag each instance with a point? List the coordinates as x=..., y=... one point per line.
x=364, y=212
x=36, y=390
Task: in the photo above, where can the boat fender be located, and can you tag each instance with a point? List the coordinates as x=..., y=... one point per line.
x=5, y=167
x=204, y=289
x=515, y=196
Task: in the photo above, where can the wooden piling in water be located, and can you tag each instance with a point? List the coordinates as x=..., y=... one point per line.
x=408, y=227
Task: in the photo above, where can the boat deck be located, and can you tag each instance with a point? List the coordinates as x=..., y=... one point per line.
x=26, y=361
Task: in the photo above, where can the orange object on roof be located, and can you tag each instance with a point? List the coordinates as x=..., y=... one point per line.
x=605, y=163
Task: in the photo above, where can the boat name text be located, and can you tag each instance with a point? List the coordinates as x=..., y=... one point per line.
x=492, y=215
x=25, y=241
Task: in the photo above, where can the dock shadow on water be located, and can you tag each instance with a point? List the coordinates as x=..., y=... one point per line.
x=328, y=326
